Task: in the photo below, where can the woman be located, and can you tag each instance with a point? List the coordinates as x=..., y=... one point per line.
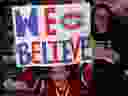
x=62, y=81
x=63, y=88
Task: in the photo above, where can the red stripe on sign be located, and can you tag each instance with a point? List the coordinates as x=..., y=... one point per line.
x=71, y=17
x=52, y=31
x=71, y=26
x=55, y=54
x=51, y=10
x=51, y=21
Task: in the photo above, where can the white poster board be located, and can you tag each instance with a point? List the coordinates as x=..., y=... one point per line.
x=59, y=33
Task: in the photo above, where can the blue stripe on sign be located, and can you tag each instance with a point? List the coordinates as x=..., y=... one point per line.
x=44, y=48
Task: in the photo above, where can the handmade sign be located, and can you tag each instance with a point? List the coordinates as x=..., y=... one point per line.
x=52, y=34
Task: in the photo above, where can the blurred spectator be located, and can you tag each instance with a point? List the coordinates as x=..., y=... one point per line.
x=103, y=18
x=105, y=9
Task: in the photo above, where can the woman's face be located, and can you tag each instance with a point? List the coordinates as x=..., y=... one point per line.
x=59, y=73
x=59, y=83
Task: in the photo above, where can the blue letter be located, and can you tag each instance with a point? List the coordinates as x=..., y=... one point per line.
x=66, y=52
x=84, y=41
x=23, y=52
x=31, y=24
x=44, y=52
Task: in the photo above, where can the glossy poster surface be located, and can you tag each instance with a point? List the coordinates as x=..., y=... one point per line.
x=52, y=34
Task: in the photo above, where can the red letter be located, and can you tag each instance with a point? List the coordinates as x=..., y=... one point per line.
x=50, y=21
x=73, y=18
x=36, y=52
